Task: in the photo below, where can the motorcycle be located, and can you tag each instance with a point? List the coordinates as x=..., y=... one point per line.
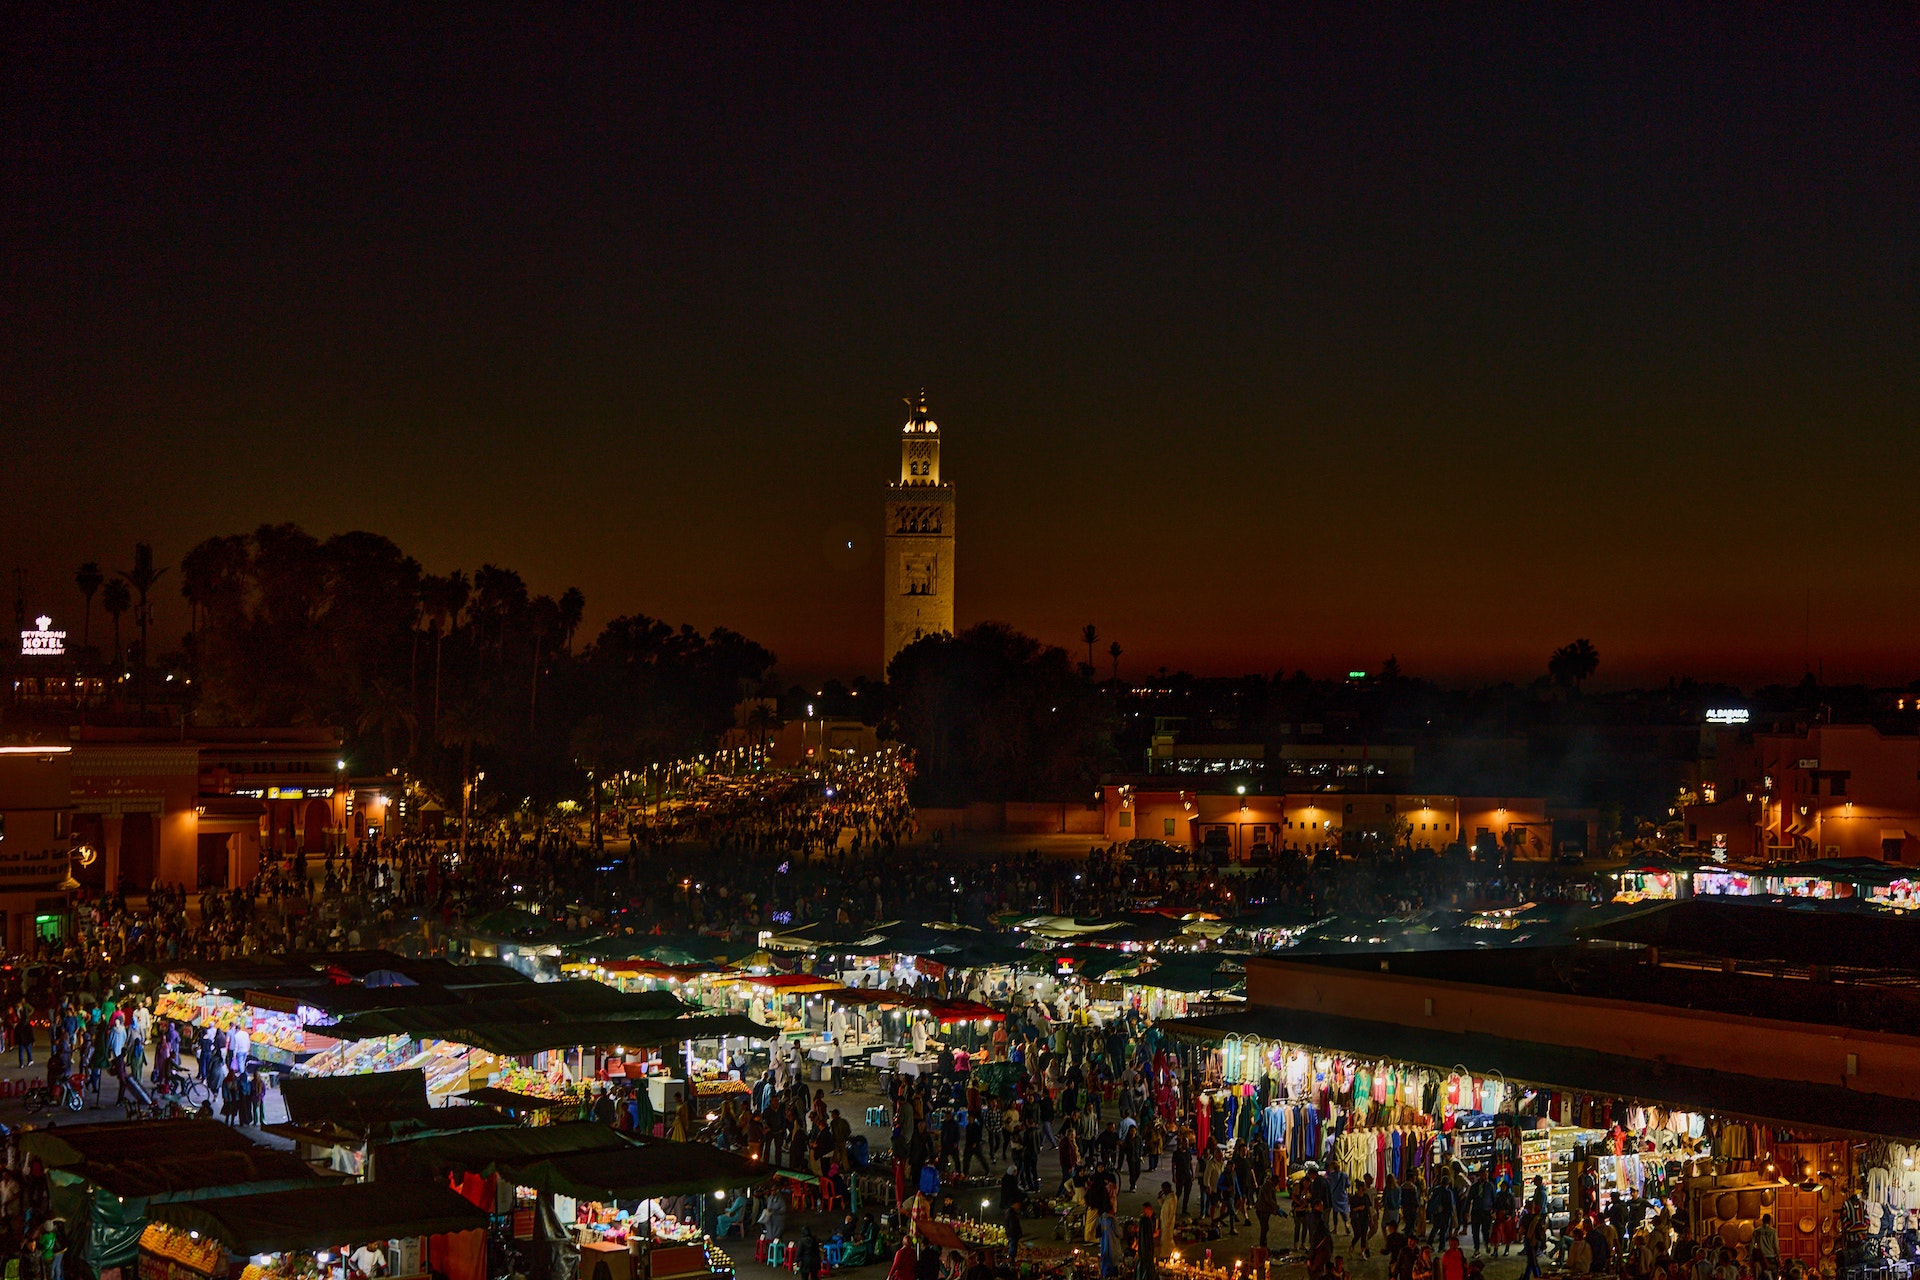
x=69, y=1095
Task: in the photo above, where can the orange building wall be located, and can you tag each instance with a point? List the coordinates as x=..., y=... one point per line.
x=1881, y=799
x=113, y=780
x=1759, y=1047
x=1306, y=821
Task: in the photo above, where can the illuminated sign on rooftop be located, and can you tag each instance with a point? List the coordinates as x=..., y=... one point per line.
x=1728, y=715
x=42, y=643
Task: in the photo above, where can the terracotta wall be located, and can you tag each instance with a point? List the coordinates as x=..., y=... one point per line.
x=1867, y=1061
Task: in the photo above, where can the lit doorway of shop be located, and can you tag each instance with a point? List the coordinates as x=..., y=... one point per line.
x=318, y=814
x=214, y=849
x=138, y=838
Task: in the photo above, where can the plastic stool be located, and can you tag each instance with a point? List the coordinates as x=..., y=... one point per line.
x=760, y=1249
x=833, y=1251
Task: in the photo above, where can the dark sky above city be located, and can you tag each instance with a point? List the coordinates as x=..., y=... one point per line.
x=1447, y=334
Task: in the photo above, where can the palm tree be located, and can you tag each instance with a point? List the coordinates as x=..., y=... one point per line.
x=763, y=720
x=1091, y=635
x=141, y=578
x=1113, y=651
x=450, y=597
x=116, y=599
x=384, y=708
x=468, y=721
x=543, y=619
x=1571, y=664
x=88, y=578
x=573, y=607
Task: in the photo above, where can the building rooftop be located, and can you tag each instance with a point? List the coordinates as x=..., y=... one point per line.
x=1826, y=968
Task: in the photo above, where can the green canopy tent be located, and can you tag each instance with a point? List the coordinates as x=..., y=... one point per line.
x=107, y=1178
x=582, y=1159
x=511, y=923
x=330, y=1111
x=326, y=1216
x=683, y=948
x=556, y=1004
x=519, y=1039
x=1189, y=976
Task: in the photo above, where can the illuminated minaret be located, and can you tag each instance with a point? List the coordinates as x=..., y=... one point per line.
x=919, y=543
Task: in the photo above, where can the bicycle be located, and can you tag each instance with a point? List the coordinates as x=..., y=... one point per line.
x=183, y=1091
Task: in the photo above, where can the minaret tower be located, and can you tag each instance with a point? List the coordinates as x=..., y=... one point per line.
x=919, y=543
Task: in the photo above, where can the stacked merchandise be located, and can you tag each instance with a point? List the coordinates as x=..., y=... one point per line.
x=447, y=1066
x=1535, y=1157
x=1473, y=1141
x=170, y=1254
x=271, y=1036
x=1560, y=1185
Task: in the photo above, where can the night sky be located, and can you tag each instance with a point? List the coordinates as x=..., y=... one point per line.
x=1453, y=336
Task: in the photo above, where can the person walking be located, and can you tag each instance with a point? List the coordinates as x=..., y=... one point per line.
x=23, y=1034
x=1480, y=1212
x=1183, y=1173
x=1533, y=1237
x=1360, y=1213
x=1440, y=1212
x=1266, y=1204
x=1012, y=1200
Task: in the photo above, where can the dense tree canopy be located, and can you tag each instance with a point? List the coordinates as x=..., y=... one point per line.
x=438, y=673
x=994, y=714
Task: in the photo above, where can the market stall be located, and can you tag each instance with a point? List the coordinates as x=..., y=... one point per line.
x=274, y=1034
x=331, y=1120
x=694, y=983
x=326, y=1232
x=574, y=1186
x=106, y=1179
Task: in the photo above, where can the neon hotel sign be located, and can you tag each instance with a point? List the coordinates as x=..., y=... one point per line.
x=42, y=643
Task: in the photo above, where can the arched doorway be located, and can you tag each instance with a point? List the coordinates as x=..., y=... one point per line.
x=319, y=814
x=137, y=850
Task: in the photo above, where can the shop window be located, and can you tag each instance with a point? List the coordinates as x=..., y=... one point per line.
x=1126, y=818
x=1166, y=826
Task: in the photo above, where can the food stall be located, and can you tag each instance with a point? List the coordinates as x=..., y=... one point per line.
x=534, y=1044
x=1653, y=884
x=322, y=1232
x=573, y=1186
x=275, y=1033
x=449, y=1067
x=106, y=1178
x=693, y=983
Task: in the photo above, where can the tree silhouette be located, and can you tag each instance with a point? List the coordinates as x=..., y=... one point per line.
x=1091, y=635
x=1571, y=664
x=763, y=720
x=449, y=597
x=88, y=578
x=573, y=607
x=141, y=578
x=1113, y=651
x=384, y=707
x=116, y=599
x=466, y=723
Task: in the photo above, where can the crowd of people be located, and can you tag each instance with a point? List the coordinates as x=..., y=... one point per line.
x=792, y=854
